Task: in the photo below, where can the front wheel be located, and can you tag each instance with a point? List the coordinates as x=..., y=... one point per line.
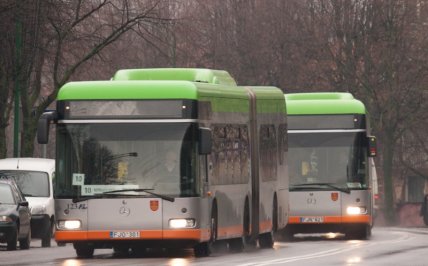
x=236, y=244
x=46, y=239
x=25, y=243
x=361, y=233
x=83, y=250
x=266, y=240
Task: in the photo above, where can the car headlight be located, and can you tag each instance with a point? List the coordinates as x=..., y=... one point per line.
x=352, y=210
x=41, y=209
x=181, y=223
x=5, y=219
x=69, y=224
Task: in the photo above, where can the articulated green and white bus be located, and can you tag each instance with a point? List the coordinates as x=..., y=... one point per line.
x=168, y=158
x=329, y=150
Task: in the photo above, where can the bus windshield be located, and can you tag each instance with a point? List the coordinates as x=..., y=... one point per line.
x=95, y=158
x=329, y=158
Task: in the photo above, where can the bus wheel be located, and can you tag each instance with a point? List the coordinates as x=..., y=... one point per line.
x=266, y=240
x=236, y=244
x=83, y=250
x=362, y=232
x=287, y=234
x=121, y=251
x=202, y=249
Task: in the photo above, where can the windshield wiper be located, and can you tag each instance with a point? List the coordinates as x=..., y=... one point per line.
x=111, y=193
x=330, y=185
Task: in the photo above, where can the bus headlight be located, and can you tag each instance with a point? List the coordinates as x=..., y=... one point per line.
x=352, y=210
x=69, y=224
x=182, y=223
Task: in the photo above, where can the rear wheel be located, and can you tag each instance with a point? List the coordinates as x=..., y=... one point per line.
x=84, y=250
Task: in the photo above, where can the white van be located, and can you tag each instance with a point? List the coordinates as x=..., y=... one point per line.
x=34, y=177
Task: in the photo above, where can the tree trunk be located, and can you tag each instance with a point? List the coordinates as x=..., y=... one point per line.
x=3, y=146
x=28, y=136
x=388, y=154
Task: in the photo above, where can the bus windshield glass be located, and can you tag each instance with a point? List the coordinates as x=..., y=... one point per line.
x=95, y=158
x=328, y=158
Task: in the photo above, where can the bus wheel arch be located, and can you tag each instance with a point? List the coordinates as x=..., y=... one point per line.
x=275, y=213
x=203, y=249
x=246, y=221
x=266, y=239
x=214, y=222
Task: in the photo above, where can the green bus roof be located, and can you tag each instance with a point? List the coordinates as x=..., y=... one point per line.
x=127, y=90
x=323, y=103
x=187, y=74
x=215, y=86
x=222, y=98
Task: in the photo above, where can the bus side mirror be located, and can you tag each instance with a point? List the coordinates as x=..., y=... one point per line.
x=43, y=127
x=372, y=146
x=205, y=141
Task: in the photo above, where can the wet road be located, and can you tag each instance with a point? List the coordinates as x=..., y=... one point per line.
x=388, y=246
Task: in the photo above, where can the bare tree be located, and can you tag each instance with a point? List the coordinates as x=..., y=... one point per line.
x=66, y=35
x=375, y=51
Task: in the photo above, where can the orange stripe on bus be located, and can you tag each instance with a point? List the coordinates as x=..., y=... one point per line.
x=334, y=219
x=238, y=230
x=230, y=231
x=194, y=234
x=265, y=226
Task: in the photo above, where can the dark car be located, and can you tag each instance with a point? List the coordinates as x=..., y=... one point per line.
x=15, y=216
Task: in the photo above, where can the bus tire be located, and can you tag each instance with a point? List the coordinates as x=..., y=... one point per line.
x=236, y=244
x=83, y=250
x=121, y=251
x=362, y=232
x=202, y=249
x=266, y=240
x=287, y=234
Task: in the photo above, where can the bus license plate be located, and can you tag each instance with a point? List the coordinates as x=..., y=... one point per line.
x=311, y=219
x=125, y=234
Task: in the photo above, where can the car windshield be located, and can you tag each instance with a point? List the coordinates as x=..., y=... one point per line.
x=31, y=183
x=99, y=157
x=6, y=196
x=332, y=158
